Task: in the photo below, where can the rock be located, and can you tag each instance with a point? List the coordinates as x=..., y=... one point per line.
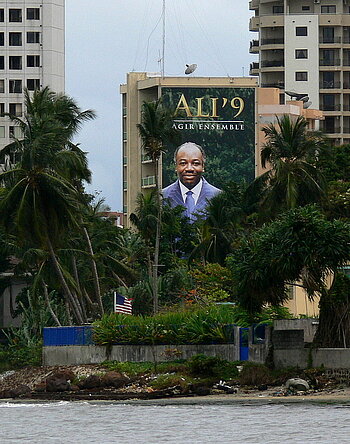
x=59, y=381
x=40, y=388
x=297, y=384
x=201, y=390
x=5, y=394
x=19, y=391
x=91, y=381
x=114, y=379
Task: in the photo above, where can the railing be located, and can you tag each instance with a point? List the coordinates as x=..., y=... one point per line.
x=329, y=85
x=279, y=41
x=333, y=130
x=327, y=62
x=272, y=63
x=346, y=85
x=125, y=161
x=145, y=158
x=330, y=39
x=254, y=65
x=254, y=43
x=346, y=62
x=324, y=107
x=148, y=181
x=279, y=85
x=346, y=107
x=346, y=130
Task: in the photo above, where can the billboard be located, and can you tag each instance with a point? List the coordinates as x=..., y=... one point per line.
x=222, y=121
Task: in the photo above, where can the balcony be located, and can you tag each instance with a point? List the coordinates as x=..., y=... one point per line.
x=346, y=85
x=254, y=46
x=329, y=107
x=329, y=85
x=333, y=130
x=328, y=62
x=330, y=39
x=254, y=69
x=279, y=85
x=346, y=130
x=272, y=63
x=253, y=4
x=346, y=107
x=148, y=181
x=125, y=161
x=254, y=24
x=145, y=158
x=277, y=41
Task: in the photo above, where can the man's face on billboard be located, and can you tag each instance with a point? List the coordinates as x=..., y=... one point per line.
x=189, y=165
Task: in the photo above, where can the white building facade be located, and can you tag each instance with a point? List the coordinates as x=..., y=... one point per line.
x=304, y=47
x=32, y=54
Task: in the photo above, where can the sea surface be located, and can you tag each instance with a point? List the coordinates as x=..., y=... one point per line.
x=84, y=422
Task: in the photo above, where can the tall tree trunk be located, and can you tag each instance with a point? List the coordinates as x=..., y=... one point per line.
x=75, y=272
x=47, y=299
x=94, y=272
x=157, y=244
x=70, y=298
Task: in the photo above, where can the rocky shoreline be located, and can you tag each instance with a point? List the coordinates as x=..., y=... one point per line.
x=96, y=383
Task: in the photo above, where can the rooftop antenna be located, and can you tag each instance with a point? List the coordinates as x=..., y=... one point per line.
x=163, y=47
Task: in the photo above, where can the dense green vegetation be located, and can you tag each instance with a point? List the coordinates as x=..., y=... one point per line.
x=289, y=227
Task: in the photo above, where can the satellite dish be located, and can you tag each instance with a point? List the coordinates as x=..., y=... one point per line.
x=297, y=96
x=190, y=68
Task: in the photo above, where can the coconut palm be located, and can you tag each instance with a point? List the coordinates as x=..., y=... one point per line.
x=156, y=130
x=40, y=199
x=291, y=180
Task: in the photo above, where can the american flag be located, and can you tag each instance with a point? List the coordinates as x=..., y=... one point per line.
x=122, y=304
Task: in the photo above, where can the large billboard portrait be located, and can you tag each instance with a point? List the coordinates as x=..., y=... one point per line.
x=217, y=132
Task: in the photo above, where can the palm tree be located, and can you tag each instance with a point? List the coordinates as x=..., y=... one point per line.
x=156, y=130
x=291, y=180
x=40, y=199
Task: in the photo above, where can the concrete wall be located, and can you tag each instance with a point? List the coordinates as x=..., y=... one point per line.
x=91, y=354
x=309, y=326
x=332, y=358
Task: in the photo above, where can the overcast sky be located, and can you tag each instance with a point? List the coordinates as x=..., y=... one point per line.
x=107, y=39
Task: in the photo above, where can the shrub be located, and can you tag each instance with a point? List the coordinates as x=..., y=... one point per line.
x=255, y=374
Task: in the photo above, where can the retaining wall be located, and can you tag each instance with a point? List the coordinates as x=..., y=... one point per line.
x=92, y=354
x=331, y=358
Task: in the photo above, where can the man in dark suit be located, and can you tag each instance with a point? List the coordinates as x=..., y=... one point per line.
x=191, y=190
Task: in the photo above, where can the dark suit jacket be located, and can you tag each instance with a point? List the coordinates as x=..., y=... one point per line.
x=173, y=194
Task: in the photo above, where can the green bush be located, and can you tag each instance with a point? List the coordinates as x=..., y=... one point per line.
x=20, y=356
x=255, y=374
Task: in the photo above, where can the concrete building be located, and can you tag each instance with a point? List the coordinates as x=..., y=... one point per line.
x=304, y=46
x=32, y=54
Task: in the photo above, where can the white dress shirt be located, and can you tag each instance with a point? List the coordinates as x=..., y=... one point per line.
x=195, y=190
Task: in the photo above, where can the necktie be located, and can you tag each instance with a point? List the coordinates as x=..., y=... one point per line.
x=189, y=203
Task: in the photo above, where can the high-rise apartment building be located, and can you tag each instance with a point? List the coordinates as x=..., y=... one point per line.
x=304, y=47
x=31, y=54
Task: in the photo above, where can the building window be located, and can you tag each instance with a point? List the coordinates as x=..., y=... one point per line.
x=305, y=8
x=33, y=37
x=2, y=109
x=2, y=132
x=277, y=9
x=15, y=39
x=15, y=15
x=15, y=86
x=330, y=9
x=15, y=109
x=2, y=39
x=301, y=76
x=33, y=14
x=2, y=86
x=301, y=31
x=15, y=131
x=301, y=53
x=2, y=62
x=33, y=61
x=15, y=62
x=2, y=15
x=33, y=84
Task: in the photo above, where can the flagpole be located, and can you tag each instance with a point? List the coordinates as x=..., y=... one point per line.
x=163, y=47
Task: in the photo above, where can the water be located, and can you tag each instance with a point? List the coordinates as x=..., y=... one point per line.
x=82, y=422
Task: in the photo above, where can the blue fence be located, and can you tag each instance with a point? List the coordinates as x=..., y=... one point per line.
x=53, y=336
